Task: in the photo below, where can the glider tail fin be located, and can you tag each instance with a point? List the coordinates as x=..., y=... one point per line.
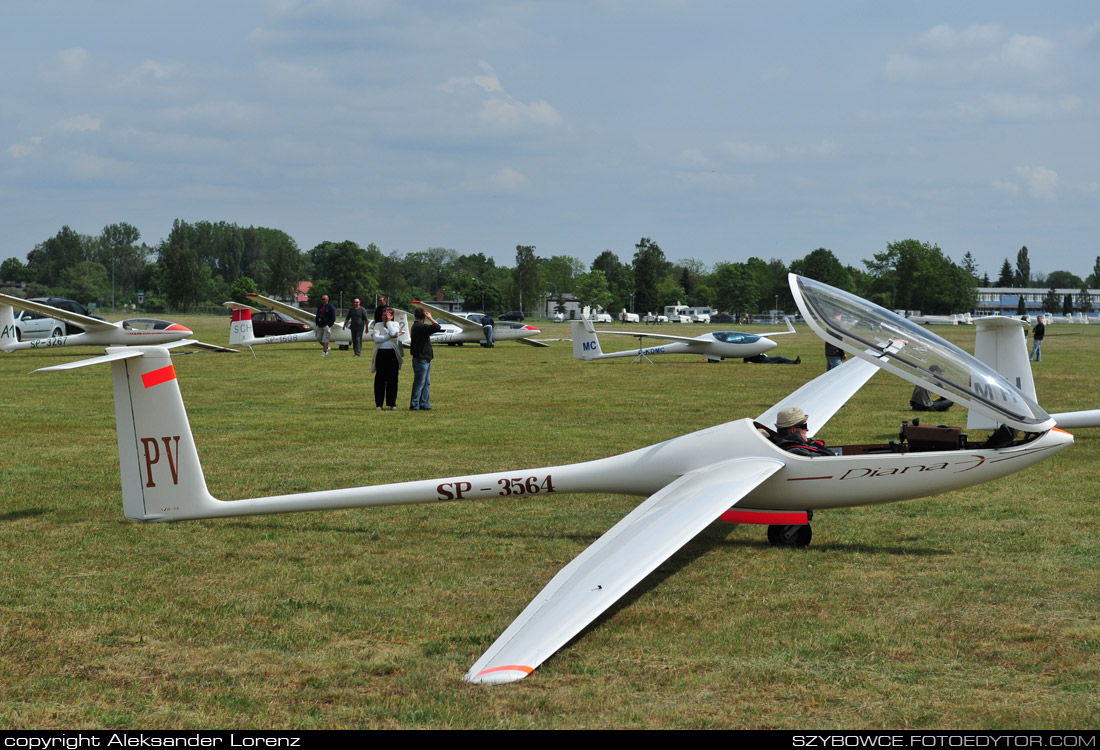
x=240, y=325
x=1001, y=342
x=585, y=344
x=7, y=328
x=162, y=478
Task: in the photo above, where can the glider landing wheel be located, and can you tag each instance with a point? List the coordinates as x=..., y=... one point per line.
x=780, y=535
x=56, y=333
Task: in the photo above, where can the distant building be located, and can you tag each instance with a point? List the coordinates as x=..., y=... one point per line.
x=1005, y=301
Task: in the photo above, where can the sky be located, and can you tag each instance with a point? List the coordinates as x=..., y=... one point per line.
x=719, y=129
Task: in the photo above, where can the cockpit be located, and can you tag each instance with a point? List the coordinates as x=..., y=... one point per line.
x=146, y=324
x=733, y=337
x=915, y=354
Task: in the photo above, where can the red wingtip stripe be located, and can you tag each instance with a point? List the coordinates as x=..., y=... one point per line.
x=156, y=377
x=508, y=668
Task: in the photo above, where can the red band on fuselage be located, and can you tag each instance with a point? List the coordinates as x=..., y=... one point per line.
x=156, y=377
x=798, y=518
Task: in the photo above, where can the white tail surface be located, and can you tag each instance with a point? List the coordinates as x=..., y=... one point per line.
x=585, y=343
x=7, y=328
x=240, y=326
x=1001, y=342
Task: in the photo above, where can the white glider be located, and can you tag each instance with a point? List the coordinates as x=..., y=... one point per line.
x=714, y=346
x=689, y=480
x=458, y=330
x=132, y=332
x=241, y=333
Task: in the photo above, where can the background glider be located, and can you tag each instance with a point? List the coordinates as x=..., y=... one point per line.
x=714, y=346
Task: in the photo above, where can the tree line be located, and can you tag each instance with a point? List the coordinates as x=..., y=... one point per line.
x=206, y=263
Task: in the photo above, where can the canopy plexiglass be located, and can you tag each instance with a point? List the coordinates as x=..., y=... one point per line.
x=915, y=354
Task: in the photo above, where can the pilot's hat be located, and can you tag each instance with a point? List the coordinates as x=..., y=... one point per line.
x=789, y=417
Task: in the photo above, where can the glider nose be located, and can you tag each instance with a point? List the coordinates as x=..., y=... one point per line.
x=768, y=344
x=177, y=328
x=532, y=329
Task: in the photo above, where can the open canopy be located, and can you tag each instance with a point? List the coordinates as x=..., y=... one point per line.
x=913, y=353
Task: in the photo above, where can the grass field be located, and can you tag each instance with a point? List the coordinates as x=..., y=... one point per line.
x=977, y=609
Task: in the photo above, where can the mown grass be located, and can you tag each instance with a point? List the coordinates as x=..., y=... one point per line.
x=974, y=609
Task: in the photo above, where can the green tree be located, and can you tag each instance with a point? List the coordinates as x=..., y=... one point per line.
x=1084, y=301
x=1064, y=280
x=1051, y=302
x=1005, y=280
x=241, y=288
x=1022, y=279
x=736, y=289
x=14, y=270
x=284, y=262
x=1094, y=278
x=347, y=269
x=525, y=279
x=620, y=280
x=1021, y=306
x=823, y=265
x=86, y=281
x=64, y=250
x=592, y=289
x=970, y=265
x=650, y=268
x=560, y=274
x=123, y=257
x=1067, y=306
x=914, y=275
x=182, y=270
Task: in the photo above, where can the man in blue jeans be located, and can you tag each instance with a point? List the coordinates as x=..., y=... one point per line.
x=421, y=350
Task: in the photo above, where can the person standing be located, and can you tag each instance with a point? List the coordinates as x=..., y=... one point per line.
x=421, y=351
x=325, y=318
x=357, y=322
x=487, y=327
x=834, y=356
x=1038, y=332
x=385, y=363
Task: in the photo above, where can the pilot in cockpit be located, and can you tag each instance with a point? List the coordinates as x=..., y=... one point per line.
x=791, y=425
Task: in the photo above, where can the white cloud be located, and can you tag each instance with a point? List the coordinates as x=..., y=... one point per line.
x=74, y=59
x=1020, y=107
x=740, y=151
x=953, y=55
x=506, y=180
x=79, y=124
x=1040, y=181
x=159, y=69
x=22, y=150
x=946, y=37
x=501, y=108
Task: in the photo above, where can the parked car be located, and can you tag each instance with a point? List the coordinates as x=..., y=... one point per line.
x=29, y=325
x=69, y=305
x=512, y=315
x=721, y=318
x=272, y=323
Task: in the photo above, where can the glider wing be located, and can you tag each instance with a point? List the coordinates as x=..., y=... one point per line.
x=616, y=562
x=83, y=321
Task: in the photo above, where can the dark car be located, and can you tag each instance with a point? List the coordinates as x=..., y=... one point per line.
x=512, y=315
x=69, y=305
x=271, y=323
x=721, y=318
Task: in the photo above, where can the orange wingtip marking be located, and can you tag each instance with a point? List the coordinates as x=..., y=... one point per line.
x=1059, y=429
x=508, y=668
x=156, y=377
